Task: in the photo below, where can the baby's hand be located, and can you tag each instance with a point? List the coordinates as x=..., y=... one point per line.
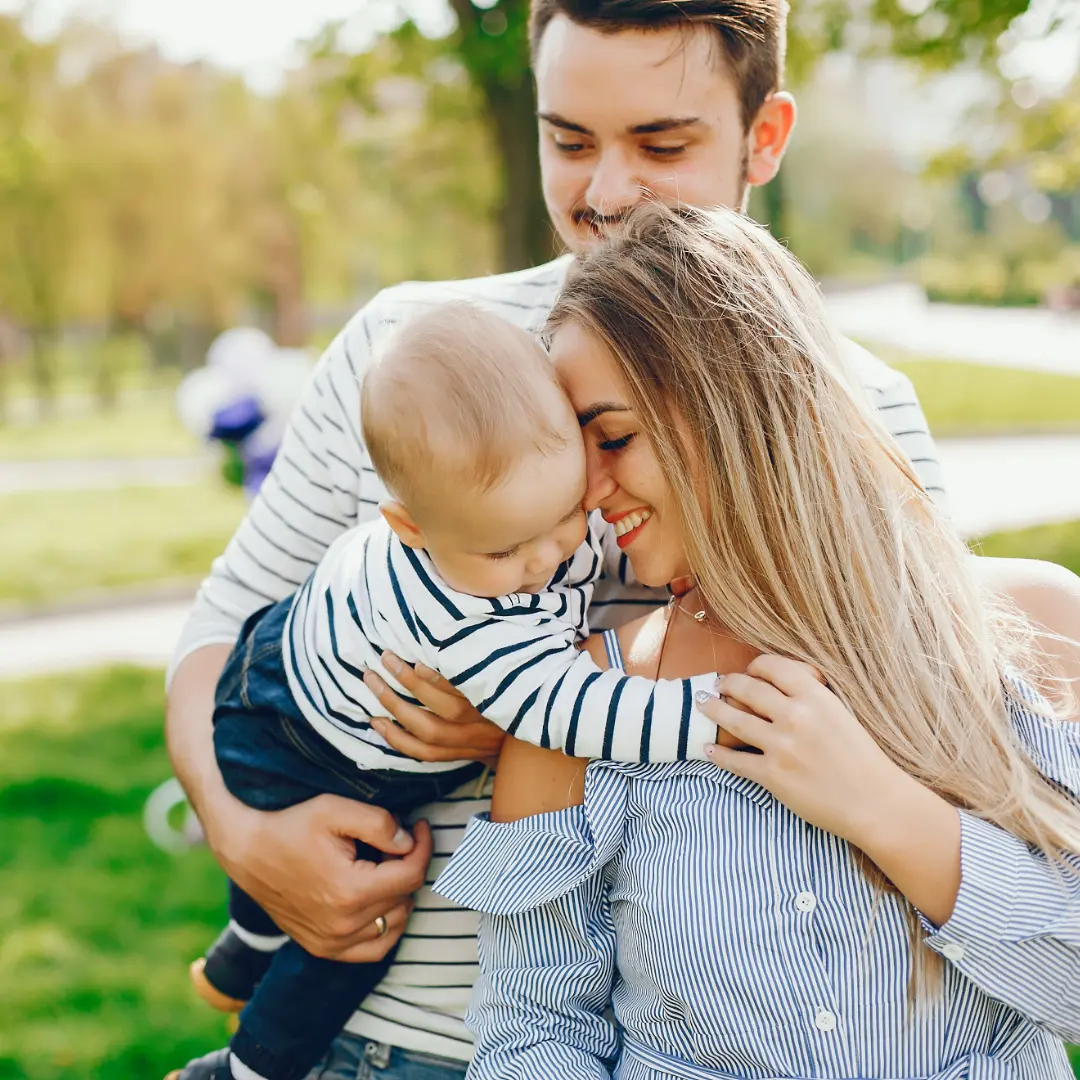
x=725, y=738
x=448, y=729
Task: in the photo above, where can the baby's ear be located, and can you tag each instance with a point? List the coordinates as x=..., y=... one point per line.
x=401, y=521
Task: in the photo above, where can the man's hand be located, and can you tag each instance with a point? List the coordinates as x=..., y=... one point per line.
x=300, y=864
x=450, y=731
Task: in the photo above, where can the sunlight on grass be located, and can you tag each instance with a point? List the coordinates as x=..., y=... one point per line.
x=58, y=546
x=1056, y=543
x=95, y=923
x=970, y=399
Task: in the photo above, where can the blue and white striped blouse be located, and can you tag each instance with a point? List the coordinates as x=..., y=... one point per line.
x=734, y=940
x=514, y=657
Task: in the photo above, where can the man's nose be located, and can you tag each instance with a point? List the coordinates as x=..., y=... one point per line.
x=613, y=187
x=599, y=483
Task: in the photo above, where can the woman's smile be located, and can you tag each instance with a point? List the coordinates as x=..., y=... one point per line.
x=628, y=524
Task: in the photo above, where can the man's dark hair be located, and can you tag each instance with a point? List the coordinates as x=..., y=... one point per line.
x=751, y=33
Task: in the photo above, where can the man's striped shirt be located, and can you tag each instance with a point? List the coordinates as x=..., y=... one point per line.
x=322, y=484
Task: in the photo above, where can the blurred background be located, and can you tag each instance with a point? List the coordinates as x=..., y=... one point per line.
x=171, y=171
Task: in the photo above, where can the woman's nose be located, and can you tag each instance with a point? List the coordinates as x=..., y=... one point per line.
x=599, y=483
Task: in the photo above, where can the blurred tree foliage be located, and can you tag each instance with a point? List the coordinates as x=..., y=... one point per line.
x=139, y=197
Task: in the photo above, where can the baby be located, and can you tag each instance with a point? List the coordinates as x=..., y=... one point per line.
x=481, y=567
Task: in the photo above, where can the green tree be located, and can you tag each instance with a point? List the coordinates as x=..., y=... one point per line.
x=492, y=43
x=425, y=157
x=34, y=182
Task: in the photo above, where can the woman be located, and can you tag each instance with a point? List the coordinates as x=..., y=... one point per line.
x=895, y=895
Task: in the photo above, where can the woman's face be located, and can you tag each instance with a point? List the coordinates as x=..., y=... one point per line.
x=624, y=476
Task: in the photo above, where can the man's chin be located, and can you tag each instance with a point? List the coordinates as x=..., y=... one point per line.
x=585, y=238
x=580, y=238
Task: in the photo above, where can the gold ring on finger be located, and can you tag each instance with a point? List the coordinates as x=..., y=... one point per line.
x=382, y=926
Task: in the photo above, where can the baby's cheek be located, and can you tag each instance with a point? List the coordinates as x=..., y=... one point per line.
x=577, y=532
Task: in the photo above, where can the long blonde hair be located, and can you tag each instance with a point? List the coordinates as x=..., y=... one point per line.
x=806, y=528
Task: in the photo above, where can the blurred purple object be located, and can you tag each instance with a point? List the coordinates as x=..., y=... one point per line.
x=256, y=469
x=235, y=421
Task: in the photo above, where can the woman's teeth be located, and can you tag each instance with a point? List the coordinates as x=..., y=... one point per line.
x=631, y=521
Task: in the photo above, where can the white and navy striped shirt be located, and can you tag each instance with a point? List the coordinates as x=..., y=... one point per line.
x=514, y=657
x=734, y=941
x=322, y=484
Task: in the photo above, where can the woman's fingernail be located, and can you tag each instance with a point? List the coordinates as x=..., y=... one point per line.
x=703, y=697
x=392, y=663
x=374, y=682
x=403, y=840
x=426, y=673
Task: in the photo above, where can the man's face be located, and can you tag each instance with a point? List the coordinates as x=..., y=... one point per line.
x=631, y=112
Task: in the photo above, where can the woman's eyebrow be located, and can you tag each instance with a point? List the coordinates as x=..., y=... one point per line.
x=593, y=411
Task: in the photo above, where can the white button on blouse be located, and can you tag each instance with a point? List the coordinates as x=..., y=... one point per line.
x=825, y=1020
x=805, y=902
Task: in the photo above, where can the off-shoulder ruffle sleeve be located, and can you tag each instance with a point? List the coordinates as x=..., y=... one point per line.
x=547, y=940
x=505, y=868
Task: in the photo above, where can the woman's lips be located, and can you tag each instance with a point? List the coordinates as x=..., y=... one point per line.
x=628, y=525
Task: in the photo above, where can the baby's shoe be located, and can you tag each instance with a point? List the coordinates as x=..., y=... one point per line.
x=227, y=975
x=214, y=1066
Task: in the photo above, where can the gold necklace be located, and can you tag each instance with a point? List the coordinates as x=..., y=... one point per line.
x=700, y=617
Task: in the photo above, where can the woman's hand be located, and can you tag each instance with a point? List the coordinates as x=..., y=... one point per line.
x=449, y=729
x=814, y=755
x=821, y=763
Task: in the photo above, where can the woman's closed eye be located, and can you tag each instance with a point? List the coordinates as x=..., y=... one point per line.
x=615, y=445
x=508, y=554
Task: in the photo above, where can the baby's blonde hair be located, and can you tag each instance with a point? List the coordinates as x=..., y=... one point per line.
x=457, y=397
x=806, y=527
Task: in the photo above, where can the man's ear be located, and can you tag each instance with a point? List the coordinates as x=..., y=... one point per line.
x=401, y=521
x=769, y=136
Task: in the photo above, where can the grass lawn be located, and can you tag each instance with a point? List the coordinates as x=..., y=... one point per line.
x=96, y=925
x=1055, y=543
x=969, y=399
x=57, y=546
x=144, y=427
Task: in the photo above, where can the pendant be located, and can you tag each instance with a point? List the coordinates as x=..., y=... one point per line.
x=699, y=616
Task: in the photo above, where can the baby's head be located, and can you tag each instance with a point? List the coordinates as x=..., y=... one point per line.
x=479, y=448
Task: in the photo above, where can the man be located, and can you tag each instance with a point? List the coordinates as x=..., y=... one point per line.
x=682, y=102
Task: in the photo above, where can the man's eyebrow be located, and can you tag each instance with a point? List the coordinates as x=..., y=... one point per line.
x=668, y=123
x=555, y=120
x=593, y=411
x=654, y=127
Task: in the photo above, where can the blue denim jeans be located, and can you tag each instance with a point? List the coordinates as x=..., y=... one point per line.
x=352, y=1058
x=271, y=759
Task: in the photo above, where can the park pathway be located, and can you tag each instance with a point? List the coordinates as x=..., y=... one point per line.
x=899, y=316
x=67, y=475
x=994, y=484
